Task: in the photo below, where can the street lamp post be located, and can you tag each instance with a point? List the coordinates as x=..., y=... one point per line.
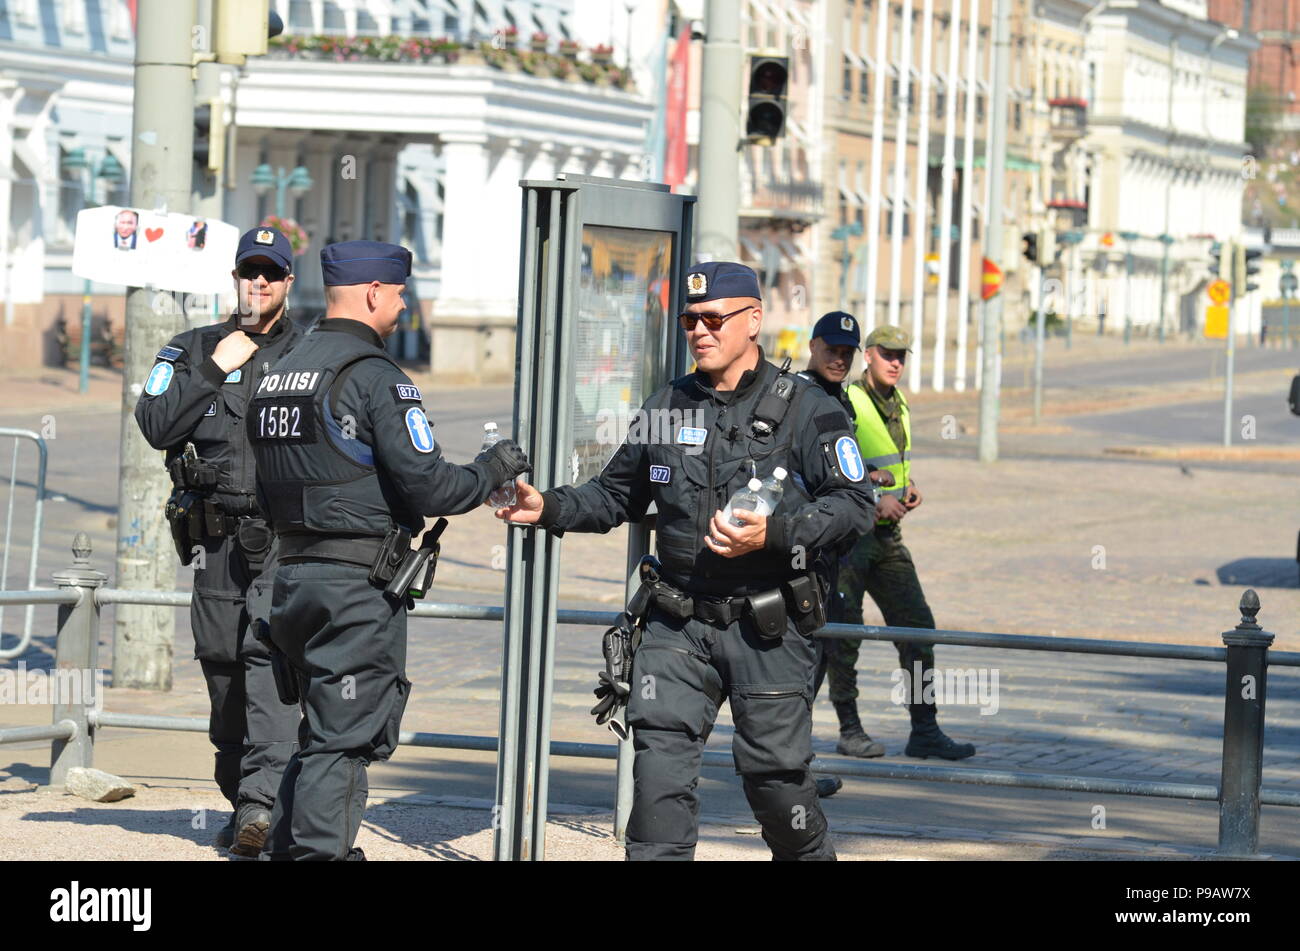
x=110, y=170
x=1166, y=240
x=1129, y=237
x=265, y=178
x=1288, y=283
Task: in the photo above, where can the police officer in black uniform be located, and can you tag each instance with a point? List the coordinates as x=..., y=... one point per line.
x=197, y=394
x=835, y=340
x=735, y=606
x=348, y=470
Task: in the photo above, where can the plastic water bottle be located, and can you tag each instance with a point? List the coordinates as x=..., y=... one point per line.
x=503, y=496
x=772, y=490
x=748, y=499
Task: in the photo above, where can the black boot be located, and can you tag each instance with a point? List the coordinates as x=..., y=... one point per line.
x=253, y=823
x=853, y=739
x=928, y=740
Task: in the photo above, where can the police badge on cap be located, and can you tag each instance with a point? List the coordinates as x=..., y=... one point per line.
x=697, y=285
x=846, y=323
x=265, y=237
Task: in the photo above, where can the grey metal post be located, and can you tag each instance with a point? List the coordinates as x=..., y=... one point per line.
x=162, y=142
x=76, y=667
x=1229, y=360
x=1038, y=345
x=638, y=544
x=720, y=133
x=208, y=195
x=990, y=384
x=1243, y=731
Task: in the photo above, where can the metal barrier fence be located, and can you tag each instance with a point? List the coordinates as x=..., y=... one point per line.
x=1246, y=655
x=38, y=513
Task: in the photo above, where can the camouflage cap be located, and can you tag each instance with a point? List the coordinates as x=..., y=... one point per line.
x=890, y=337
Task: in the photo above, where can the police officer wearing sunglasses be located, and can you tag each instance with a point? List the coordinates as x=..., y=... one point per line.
x=733, y=605
x=193, y=407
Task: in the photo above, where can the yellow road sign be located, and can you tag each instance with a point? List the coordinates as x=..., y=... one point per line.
x=1216, y=321
x=1219, y=291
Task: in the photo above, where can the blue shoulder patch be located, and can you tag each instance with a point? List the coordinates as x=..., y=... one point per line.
x=850, y=460
x=160, y=377
x=417, y=425
x=169, y=353
x=234, y=376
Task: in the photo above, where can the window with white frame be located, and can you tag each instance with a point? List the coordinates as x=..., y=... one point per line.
x=74, y=16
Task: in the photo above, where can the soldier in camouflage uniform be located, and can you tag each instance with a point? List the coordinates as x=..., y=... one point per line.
x=880, y=564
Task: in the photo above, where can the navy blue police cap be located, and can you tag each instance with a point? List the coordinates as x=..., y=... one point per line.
x=838, y=329
x=715, y=280
x=360, y=262
x=265, y=243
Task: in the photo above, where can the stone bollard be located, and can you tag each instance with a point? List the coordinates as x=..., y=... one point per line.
x=76, y=671
x=1243, y=732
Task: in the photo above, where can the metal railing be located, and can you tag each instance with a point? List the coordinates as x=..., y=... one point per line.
x=38, y=514
x=1246, y=655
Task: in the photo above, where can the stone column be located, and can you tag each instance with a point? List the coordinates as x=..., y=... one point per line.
x=478, y=272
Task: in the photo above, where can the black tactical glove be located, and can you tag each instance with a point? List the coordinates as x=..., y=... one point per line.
x=615, y=687
x=504, y=460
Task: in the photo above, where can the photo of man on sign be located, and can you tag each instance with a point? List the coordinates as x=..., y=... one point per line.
x=124, y=228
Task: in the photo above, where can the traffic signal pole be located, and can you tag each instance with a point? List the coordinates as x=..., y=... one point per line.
x=718, y=209
x=989, y=392
x=162, y=139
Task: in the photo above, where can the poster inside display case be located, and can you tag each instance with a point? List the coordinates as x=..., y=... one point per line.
x=625, y=295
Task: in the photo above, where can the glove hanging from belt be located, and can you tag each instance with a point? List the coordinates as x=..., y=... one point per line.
x=618, y=644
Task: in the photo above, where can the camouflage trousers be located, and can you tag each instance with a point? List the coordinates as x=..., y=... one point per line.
x=879, y=565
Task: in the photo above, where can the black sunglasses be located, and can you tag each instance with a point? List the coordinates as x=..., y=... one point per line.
x=711, y=321
x=248, y=271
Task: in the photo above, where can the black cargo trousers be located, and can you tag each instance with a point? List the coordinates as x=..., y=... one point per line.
x=680, y=675
x=346, y=643
x=253, y=732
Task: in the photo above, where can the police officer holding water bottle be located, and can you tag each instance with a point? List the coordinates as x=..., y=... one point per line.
x=733, y=601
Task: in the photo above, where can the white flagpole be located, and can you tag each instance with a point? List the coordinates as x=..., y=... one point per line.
x=945, y=200
x=967, y=182
x=920, y=205
x=871, y=232
x=900, y=168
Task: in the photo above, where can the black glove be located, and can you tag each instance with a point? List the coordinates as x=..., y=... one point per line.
x=504, y=460
x=614, y=689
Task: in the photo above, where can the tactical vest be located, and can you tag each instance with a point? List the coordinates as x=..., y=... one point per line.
x=697, y=461
x=218, y=437
x=314, y=476
x=875, y=443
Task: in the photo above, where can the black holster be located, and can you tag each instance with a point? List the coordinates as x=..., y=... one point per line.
x=184, y=514
x=393, y=550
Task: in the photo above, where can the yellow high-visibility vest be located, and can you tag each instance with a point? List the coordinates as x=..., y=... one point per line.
x=875, y=443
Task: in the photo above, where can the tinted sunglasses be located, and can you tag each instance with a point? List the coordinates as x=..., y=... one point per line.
x=711, y=321
x=250, y=270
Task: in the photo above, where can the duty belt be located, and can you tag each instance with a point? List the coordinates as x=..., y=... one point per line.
x=349, y=549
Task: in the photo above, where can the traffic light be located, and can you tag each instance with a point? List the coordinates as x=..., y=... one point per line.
x=1245, y=265
x=1029, y=246
x=1046, y=247
x=210, y=136
x=1252, y=256
x=1215, y=266
x=769, y=77
x=241, y=29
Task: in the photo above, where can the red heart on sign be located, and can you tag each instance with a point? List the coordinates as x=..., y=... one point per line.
x=153, y=234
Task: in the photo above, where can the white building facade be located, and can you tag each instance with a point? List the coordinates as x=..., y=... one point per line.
x=415, y=126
